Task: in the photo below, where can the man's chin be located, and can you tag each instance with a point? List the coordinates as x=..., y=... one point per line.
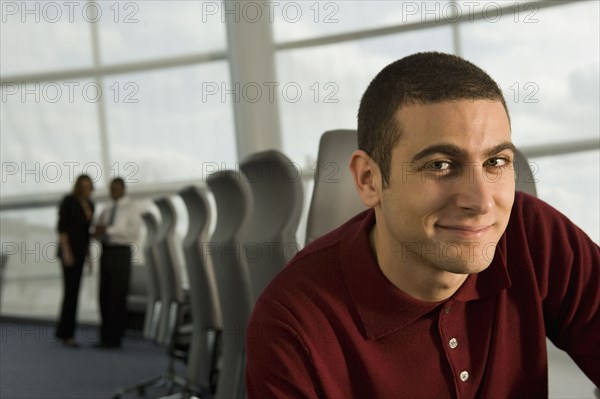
x=468, y=267
x=466, y=259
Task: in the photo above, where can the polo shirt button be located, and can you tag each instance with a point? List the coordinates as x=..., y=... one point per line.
x=453, y=343
x=447, y=309
x=464, y=375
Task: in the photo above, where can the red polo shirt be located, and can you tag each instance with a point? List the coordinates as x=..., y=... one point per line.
x=331, y=325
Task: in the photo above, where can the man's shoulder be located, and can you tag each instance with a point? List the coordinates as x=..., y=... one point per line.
x=313, y=261
x=534, y=215
x=324, y=251
x=315, y=269
x=541, y=230
x=522, y=198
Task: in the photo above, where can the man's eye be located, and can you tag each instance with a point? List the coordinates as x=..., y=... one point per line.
x=438, y=165
x=498, y=162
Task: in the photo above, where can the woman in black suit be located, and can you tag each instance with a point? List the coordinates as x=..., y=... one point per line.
x=74, y=219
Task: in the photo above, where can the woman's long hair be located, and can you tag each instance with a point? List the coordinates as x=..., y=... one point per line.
x=78, y=187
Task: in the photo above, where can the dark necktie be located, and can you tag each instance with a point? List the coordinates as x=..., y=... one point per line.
x=113, y=212
x=111, y=220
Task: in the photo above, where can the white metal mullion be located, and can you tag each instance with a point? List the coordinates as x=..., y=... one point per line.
x=104, y=144
x=456, y=32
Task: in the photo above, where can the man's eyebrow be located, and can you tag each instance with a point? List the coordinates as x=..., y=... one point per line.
x=507, y=145
x=454, y=151
x=446, y=149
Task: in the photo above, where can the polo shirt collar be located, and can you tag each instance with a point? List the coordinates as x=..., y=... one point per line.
x=383, y=308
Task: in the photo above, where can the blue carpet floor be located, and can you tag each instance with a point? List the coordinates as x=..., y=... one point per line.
x=34, y=365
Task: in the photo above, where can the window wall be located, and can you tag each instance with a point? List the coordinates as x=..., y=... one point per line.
x=172, y=131
x=110, y=89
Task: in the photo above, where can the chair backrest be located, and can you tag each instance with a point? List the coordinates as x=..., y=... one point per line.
x=169, y=275
x=204, y=296
x=525, y=181
x=233, y=199
x=334, y=198
x=153, y=304
x=269, y=239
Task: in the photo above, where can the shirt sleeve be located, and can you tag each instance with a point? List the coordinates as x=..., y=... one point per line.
x=567, y=264
x=278, y=362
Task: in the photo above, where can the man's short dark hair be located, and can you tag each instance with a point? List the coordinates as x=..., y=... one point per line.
x=119, y=181
x=421, y=78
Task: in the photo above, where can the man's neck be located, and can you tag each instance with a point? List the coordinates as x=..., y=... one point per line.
x=411, y=276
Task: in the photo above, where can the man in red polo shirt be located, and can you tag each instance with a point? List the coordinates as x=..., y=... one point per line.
x=449, y=285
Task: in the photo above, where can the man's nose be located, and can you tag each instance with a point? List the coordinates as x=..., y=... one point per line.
x=475, y=192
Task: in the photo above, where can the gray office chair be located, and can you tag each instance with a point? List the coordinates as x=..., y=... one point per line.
x=171, y=292
x=171, y=299
x=153, y=304
x=204, y=300
x=137, y=298
x=233, y=199
x=270, y=235
x=525, y=179
x=3, y=262
x=335, y=200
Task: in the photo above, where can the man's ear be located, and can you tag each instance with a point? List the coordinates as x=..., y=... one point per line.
x=367, y=178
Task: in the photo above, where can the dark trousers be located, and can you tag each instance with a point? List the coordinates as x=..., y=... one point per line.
x=71, y=282
x=115, y=271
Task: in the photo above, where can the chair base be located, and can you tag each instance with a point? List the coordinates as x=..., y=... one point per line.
x=169, y=379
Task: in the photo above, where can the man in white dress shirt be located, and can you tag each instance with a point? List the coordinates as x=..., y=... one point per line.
x=118, y=230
